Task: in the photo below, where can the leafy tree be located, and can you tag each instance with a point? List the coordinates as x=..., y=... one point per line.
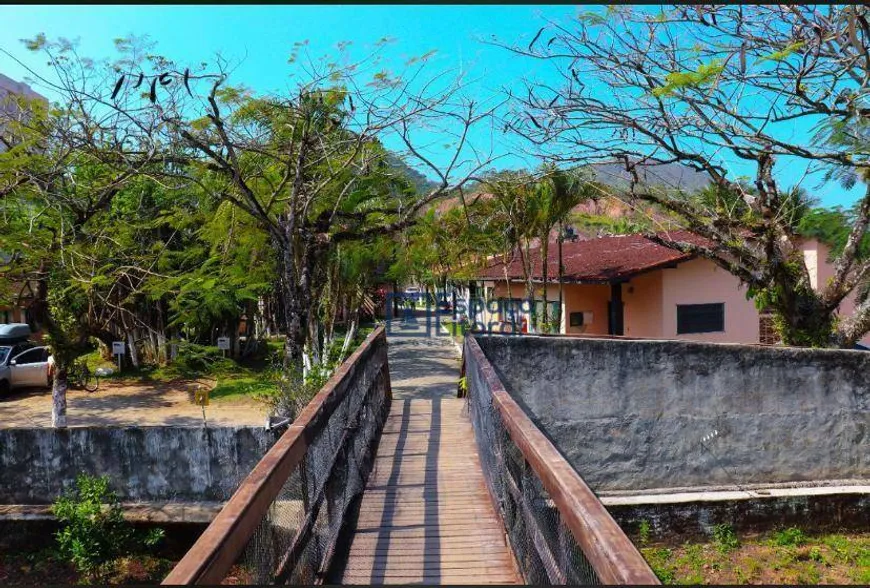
x=308, y=165
x=297, y=186
x=518, y=210
x=449, y=243
x=558, y=192
x=691, y=84
x=54, y=197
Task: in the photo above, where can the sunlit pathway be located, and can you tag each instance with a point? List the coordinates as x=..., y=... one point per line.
x=421, y=366
x=426, y=516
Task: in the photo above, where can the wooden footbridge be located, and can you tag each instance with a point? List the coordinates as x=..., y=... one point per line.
x=366, y=489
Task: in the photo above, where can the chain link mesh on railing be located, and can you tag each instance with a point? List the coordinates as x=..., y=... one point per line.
x=283, y=523
x=544, y=547
x=295, y=541
x=566, y=537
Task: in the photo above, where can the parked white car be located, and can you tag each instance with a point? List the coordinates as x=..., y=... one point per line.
x=23, y=364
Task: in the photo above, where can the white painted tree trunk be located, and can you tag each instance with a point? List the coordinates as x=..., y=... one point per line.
x=134, y=354
x=58, y=400
x=161, y=347
x=306, y=364
x=348, y=338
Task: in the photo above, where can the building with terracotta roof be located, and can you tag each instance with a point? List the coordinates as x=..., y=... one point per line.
x=629, y=285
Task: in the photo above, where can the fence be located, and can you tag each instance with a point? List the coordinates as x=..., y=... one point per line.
x=559, y=531
x=282, y=524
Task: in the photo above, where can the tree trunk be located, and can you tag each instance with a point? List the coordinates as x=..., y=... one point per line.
x=234, y=339
x=162, y=355
x=348, y=337
x=134, y=354
x=802, y=320
x=545, y=252
x=296, y=303
x=58, y=397
x=528, y=270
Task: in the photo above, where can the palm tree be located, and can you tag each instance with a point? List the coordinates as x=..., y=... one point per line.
x=516, y=204
x=557, y=192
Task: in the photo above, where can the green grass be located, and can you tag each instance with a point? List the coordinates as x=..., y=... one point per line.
x=457, y=331
x=230, y=389
x=251, y=378
x=785, y=556
x=145, y=373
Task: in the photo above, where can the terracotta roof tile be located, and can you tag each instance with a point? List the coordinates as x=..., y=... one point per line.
x=598, y=260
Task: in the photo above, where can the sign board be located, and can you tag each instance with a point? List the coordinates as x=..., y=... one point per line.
x=118, y=348
x=200, y=396
x=223, y=343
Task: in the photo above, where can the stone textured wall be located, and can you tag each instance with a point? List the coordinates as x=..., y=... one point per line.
x=143, y=463
x=632, y=415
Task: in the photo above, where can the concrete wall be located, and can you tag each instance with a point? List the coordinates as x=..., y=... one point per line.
x=143, y=463
x=686, y=520
x=631, y=415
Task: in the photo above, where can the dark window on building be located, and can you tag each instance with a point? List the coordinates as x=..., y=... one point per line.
x=700, y=318
x=576, y=319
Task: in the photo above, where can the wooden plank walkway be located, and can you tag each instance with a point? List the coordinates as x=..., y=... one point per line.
x=426, y=516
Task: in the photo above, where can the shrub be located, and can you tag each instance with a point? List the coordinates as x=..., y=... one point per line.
x=790, y=536
x=194, y=359
x=725, y=538
x=644, y=531
x=93, y=531
x=659, y=561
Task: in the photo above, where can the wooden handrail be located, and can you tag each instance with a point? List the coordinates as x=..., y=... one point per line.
x=221, y=544
x=612, y=555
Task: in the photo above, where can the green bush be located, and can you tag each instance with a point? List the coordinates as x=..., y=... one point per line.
x=725, y=538
x=193, y=358
x=291, y=392
x=791, y=536
x=644, y=531
x=93, y=531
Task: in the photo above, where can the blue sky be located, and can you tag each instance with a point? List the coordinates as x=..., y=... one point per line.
x=260, y=38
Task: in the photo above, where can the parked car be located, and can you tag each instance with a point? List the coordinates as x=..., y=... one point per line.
x=22, y=363
x=22, y=366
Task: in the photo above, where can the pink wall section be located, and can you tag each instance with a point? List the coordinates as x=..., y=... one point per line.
x=700, y=281
x=586, y=298
x=642, y=298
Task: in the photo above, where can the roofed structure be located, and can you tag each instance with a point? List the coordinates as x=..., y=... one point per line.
x=597, y=261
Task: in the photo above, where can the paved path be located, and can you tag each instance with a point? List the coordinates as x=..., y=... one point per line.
x=426, y=515
x=421, y=366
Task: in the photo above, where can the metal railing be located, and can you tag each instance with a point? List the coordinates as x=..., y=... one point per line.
x=283, y=522
x=559, y=531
